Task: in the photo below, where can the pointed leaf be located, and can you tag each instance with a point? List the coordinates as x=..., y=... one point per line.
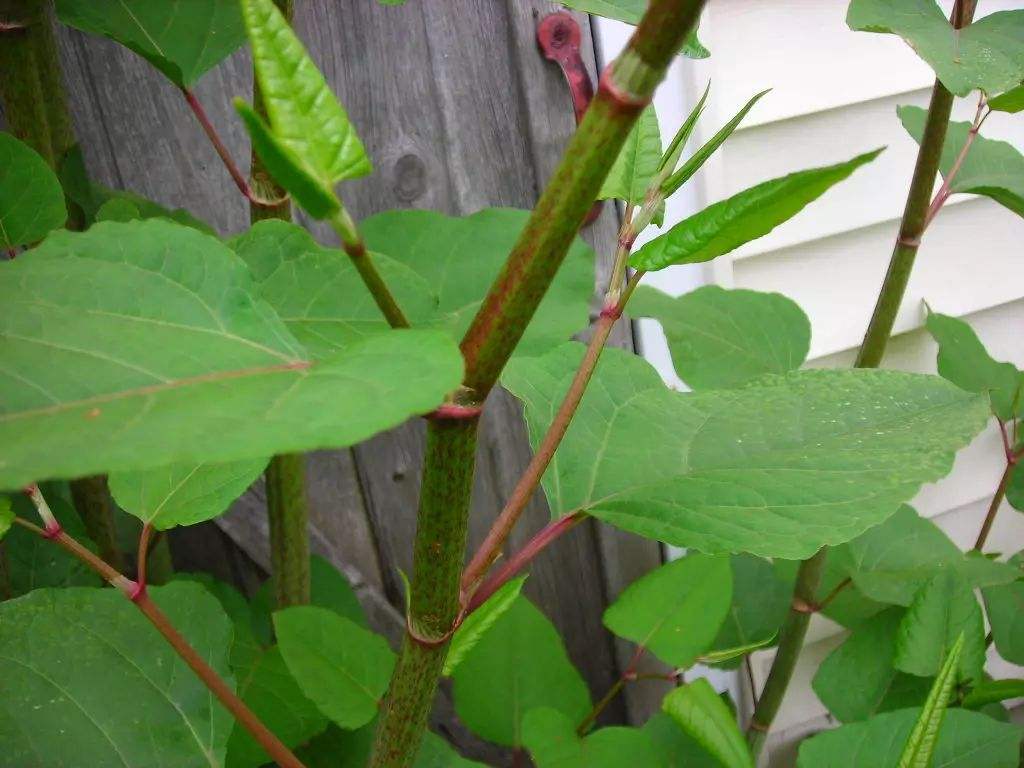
x=341, y=667
x=675, y=149
x=1004, y=606
x=991, y=691
x=675, y=611
x=522, y=656
x=702, y=155
x=991, y=168
x=988, y=54
x=31, y=200
x=722, y=338
x=1012, y=101
x=630, y=12
x=699, y=711
x=760, y=602
x=317, y=291
x=183, y=494
x=919, y=750
x=179, y=359
x=74, y=661
x=304, y=115
x=778, y=468
x=943, y=610
x=638, y=160
x=748, y=215
x=967, y=740
x=461, y=256
x=181, y=38
x=551, y=739
x=479, y=622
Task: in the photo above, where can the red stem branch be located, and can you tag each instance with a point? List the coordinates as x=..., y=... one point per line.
x=945, y=188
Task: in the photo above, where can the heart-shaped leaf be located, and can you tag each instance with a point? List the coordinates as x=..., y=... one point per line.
x=31, y=200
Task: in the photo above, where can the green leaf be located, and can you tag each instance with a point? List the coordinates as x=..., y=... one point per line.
x=675, y=611
x=1015, y=487
x=919, y=749
x=461, y=257
x=892, y=561
x=630, y=12
x=306, y=120
x=328, y=588
x=699, y=711
x=1012, y=101
x=748, y=215
x=702, y=155
x=720, y=339
x=32, y=562
x=245, y=649
x=317, y=291
x=967, y=740
x=855, y=679
x=675, y=747
x=6, y=516
x=521, y=656
x=103, y=333
x=551, y=739
x=1004, y=606
x=183, y=494
x=760, y=602
x=343, y=668
x=777, y=469
x=85, y=668
x=964, y=361
x=637, y=163
x=181, y=38
x=675, y=149
x=987, y=54
x=991, y=168
x=270, y=691
x=479, y=622
x=943, y=610
x=31, y=200
x=336, y=748
x=990, y=691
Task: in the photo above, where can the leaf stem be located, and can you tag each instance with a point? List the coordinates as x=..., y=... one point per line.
x=629, y=673
x=143, y=555
x=993, y=507
x=136, y=592
x=945, y=189
x=836, y=591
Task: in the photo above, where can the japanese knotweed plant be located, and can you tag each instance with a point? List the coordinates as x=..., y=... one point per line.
x=141, y=352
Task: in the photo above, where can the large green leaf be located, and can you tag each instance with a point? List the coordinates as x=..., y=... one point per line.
x=988, y=54
x=675, y=747
x=521, y=656
x=137, y=345
x=722, y=338
x=1015, y=487
x=967, y=740
x=760, y=602
x=305, y=117
x=460, y=257
x=637, y=163
x=855, y=679
x=245, y=648
x=31, y=200
x=317, y=291
x=630, y=12
x=337, y=748
x=32, y=562
x=86, y=681
x=181, y=38
x=991, y=168
x=964, y=360
x=943, y=610
x=1004, y=606
x=551, y=738
x=675, y=611
x=183, y=494
x=1011, y=101
x=480, y=621
x=778, y=468
x=892, y=561
x=747, y=215
x=700, y=711
x=343, y=668
x=919, y=749
x=270, y=691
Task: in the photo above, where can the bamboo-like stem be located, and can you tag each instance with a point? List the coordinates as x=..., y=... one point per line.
x=288, y=515
x=626, y=87
x=993, y=507
x=890, y=296
x=137, y=594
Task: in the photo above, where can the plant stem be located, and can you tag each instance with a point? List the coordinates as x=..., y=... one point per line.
x=791, y=641
x=94, y=505
x=890, y=296
x=288, y=515
x=354, y=245
x=629, y=673
x=993, y=507
x=836, y=591
x=137, y=594
x=947, y=182
x=626, y=87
